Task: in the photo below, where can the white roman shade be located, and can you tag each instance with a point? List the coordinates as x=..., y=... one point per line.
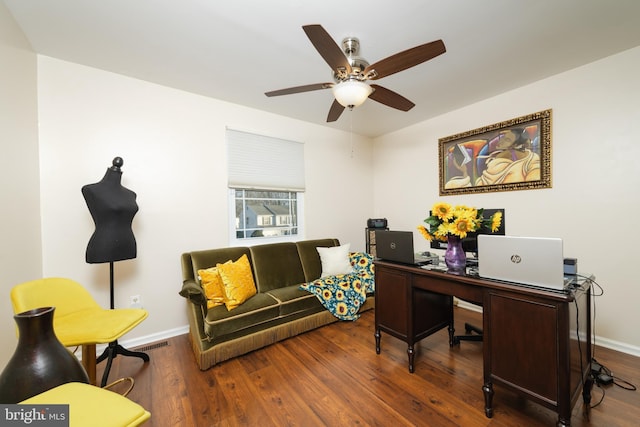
x=265, y=163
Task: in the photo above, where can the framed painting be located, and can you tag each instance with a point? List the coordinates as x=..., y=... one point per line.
x=510, y=155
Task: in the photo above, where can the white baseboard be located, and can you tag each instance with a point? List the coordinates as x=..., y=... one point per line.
x=147, y=339
x=467, y=305
x=617, y=346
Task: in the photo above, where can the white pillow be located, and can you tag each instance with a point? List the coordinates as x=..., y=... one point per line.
x=335, y=260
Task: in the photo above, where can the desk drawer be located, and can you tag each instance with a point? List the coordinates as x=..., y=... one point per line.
x=446, y=286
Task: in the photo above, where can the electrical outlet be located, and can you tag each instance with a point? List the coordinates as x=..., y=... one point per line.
x=135, y=301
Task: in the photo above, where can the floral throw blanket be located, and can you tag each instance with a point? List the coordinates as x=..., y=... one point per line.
x=343, y=294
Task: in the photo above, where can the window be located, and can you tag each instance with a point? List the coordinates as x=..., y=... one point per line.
x=266, y=183
x=261, y=213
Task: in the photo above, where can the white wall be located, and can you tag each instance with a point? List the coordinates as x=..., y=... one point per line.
x=172, y=143
x=20, y=249
x=173, y=146
x=594, y=201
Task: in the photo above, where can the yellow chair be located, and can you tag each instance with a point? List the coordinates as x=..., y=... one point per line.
x=78, y=318
x=92, y=406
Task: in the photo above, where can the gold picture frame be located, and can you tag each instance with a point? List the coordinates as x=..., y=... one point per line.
x=510, y=155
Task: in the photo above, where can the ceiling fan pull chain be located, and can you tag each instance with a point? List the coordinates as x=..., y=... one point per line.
x=351, y=129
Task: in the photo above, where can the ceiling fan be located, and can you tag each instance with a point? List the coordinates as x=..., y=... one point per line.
x=350, y=72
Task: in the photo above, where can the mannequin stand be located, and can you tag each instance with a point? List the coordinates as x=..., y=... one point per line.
x=114, y=349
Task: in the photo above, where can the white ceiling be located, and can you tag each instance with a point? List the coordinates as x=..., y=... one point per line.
x=236, y=50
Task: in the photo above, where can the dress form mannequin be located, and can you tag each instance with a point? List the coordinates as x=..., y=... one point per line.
x=112, y=208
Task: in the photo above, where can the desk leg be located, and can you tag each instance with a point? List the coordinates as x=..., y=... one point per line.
x=377, y=335
x=487, y=388
x=586, y=396
x=89, y=361
x=452, y=332
x=586, y=391
x=411, y=355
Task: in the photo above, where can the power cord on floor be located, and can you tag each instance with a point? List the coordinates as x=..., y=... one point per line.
x=602, y=377
x=121, y=380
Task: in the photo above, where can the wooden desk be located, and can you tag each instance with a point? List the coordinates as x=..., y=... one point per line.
x=536, y=342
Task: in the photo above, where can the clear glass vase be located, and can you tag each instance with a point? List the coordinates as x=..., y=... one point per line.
x=455, y=258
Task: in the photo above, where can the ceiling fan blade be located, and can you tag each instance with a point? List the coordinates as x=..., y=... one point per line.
x=298, y=89
x=327, y=48
x=335, y=111
x=390, y=98
x=405, y=59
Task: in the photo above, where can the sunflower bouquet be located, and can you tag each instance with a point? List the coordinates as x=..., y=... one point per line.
x=446, y=220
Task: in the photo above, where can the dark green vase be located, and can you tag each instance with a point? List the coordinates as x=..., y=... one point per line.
x=40, y=361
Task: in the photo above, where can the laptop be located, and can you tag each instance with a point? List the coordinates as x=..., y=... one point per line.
x=397, y=246
x=536, y=261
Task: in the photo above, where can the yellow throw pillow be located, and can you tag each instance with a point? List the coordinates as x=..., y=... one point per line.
x=238, y=282
x=213, y=287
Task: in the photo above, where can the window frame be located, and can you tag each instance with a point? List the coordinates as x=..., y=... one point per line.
x=234, y=240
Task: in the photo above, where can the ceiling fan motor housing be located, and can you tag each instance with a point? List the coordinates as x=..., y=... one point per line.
x=351, y=48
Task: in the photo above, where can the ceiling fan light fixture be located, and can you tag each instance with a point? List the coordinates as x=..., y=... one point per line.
x=351, y=93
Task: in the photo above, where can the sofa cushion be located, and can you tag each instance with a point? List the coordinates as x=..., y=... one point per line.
x=238, y=281
x=258, y=309
x=276, y=265
x=309, y=257
x=212, y=257
x=292, y=300
x=335, y=260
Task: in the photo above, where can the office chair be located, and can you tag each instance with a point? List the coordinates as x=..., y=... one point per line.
x=78, y=319
x=473, y=333
x=92, y=406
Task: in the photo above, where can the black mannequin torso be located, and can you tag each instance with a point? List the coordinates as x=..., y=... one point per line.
x=112, y=207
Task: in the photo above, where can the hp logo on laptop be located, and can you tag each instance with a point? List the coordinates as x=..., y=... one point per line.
x=393, y=245
x=516, y=259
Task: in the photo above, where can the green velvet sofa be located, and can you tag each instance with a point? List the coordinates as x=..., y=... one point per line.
x=279, y=310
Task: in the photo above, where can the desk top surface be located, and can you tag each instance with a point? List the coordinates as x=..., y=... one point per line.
x=581, y=284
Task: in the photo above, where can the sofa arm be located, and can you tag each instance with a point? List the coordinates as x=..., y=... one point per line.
x=193, y=292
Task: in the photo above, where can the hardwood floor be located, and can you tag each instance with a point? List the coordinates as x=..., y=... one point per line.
x=332, y=377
